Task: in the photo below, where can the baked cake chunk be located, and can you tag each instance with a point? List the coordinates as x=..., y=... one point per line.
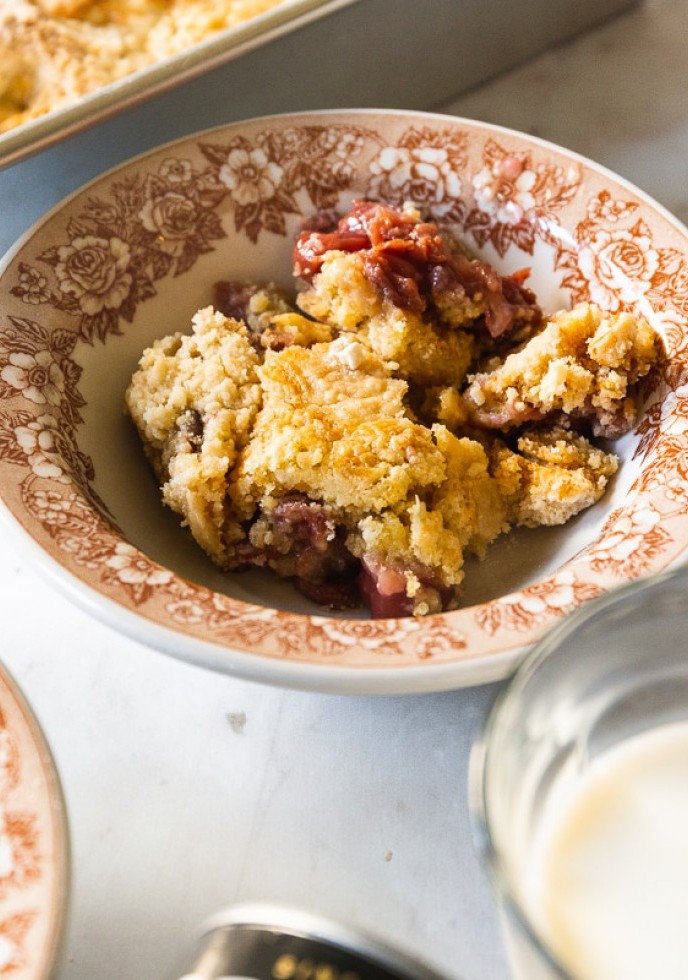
x=550, y=476
x=582, y=365
x=425, y=353
x=405, y=500
x=194, y=400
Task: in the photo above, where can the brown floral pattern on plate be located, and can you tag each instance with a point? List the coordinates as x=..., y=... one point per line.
x=87, y=275
x=33, y=840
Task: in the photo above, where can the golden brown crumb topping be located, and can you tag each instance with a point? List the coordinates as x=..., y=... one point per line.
x=582, y=364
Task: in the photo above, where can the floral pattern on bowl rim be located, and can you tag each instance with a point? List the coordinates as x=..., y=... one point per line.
x=34, y=862
x=84, y=278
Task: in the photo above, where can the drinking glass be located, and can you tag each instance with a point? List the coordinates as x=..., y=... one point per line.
x=614, y=669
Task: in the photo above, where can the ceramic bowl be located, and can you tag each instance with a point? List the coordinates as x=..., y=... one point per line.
x=134, y=254
x=34, y=843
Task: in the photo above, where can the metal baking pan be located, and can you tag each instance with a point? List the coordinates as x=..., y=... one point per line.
x=317, y=54
x=165, y=74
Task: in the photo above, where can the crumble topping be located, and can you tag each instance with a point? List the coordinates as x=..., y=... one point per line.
x=405, y=407
x=195, y=399
x=550, y=475
x=580, y=365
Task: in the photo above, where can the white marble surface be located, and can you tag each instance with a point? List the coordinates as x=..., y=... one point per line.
x=186, y=790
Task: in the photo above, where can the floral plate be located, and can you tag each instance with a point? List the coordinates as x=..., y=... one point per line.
x=131, y=256
x=33, y=843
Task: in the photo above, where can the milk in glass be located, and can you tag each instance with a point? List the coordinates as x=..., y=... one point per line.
x=608, y=883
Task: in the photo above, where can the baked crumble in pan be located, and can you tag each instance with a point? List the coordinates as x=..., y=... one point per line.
x=53, y=52
x=402, y=410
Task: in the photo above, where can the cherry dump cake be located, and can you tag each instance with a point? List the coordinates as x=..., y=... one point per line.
x=53, y=53
x=401, y=410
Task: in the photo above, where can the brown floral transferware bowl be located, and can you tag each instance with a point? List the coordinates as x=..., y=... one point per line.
x=134, y=254
x=34, y=842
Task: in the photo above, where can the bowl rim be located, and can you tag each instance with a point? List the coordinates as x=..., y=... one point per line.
x=277, y=117
x=416, y=677
x=59, y=824
x=325, y=678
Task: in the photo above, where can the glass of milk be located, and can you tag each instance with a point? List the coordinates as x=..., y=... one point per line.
x=579, y=792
